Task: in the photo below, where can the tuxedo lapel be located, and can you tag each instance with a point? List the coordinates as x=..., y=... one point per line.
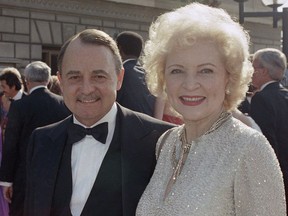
x=63, y=185
x=138, y=158
x=123, y=174
x=52, y=149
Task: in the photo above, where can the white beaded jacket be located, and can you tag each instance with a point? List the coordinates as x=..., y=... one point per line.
x=231, y=171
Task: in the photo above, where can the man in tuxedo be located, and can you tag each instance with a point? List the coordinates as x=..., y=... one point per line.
x=11, y=83
x=134, y=93
x=39, y=108
x=269, y=105
x=99, y=160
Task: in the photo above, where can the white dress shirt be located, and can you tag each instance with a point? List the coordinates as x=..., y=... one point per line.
x=86, y=158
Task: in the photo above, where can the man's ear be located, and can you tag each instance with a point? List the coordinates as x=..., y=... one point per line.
x=59, y=76
x=60, y=80
x=120, y=77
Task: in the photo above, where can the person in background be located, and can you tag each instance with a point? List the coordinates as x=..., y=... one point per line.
x=213, y=164
x=4, y=208
x=12, y=88
x=134, y=93
x=284, y=81
x=99, y=160
x=39, y=108
x=165, y=112
x=54, y=85
x=5, y=106
x=269, y=105
x=246, y=119
x=11, y=83
x=244, y=106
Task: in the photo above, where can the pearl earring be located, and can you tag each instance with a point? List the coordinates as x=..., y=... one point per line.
x=227, y=91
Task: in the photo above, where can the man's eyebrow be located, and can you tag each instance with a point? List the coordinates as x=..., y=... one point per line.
x=96, y=72
x=99, y=72
x=72, y=72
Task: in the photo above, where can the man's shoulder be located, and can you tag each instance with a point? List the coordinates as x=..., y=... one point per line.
x=54, y=128
x=284, y=92
x=130, y=63
x=270, y=98
x=262, y=97
x=133, y=65
x=32, y=99
x=24, y=94
x=141, y=118
x=47, y=92
x=56, y=125
x=273, y=90
x=20, y=102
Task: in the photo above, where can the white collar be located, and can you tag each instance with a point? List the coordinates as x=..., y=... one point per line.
x=110, y=117
x=18, y=95
x=37, y=87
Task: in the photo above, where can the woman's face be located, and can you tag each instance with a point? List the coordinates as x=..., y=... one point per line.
x=196, y=80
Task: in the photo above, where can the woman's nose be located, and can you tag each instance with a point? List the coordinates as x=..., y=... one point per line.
x=191, y=82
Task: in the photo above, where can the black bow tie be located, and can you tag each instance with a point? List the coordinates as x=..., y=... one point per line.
x=77, y=132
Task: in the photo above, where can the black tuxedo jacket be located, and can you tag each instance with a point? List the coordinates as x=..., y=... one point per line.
x=138, y=134
x=24, y=95
x=39, y=108
x=5, y=118
x=134, y=93
x=269, y=109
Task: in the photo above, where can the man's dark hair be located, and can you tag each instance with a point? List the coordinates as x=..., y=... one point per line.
x=130, y=43
x=96, y=37
x=12, y=77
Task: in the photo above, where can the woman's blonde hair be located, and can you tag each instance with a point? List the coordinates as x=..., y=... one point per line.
x=182, y=28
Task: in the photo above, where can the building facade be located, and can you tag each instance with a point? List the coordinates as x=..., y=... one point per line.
x=33, y=30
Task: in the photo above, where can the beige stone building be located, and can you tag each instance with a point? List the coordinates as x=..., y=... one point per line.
x=35, y=29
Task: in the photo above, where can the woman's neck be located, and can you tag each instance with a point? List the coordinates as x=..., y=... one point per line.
x=195, y=129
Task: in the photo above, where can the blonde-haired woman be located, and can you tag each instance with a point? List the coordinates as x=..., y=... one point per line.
x=213, y=164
